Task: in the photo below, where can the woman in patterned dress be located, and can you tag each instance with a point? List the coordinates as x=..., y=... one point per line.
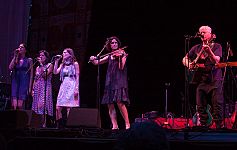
x=22, y=77
x=116, y=84
x=68, y=95
x=42, y=87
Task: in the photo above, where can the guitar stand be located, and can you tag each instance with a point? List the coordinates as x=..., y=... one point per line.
x=166, y=123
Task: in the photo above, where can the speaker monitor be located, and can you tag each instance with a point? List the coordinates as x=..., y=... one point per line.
x=17, y=119
x=34, y=120
x=13, y=119
x=84, y=117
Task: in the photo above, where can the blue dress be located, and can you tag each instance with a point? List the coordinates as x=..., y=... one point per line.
x=116, y=84
x=20, y=80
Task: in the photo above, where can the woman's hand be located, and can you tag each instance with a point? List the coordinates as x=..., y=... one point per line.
x=92, y=58
x=76, y=95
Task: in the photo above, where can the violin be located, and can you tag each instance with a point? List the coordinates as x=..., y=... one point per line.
x=118, y=53
x=114, y=54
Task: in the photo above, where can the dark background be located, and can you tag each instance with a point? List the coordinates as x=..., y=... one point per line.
x=154, y=33
x=153, y=30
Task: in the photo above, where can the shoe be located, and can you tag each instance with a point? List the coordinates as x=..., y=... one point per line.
x=115, y=129
x=127, y=126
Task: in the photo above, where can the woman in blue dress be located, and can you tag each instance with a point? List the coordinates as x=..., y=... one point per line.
x=22, y=77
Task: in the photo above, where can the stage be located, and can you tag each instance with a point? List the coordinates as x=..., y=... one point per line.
x=21, y=130
x=89, y=138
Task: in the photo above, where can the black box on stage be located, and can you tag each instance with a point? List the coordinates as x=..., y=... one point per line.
x=13, y=119
x=17, y=119
x=84, y=117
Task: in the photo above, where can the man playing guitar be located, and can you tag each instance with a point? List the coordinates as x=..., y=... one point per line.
x=201, y=60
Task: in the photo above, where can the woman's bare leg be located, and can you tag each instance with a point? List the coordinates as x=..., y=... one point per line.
x=124, y=112
x=113, y=116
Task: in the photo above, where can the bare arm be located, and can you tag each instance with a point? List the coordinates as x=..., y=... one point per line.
x=186, y=61
x=12, y=63
x=215, y=59
x=50, y=69
x=31, y=75
x=100, y=61
x=124, y=58
x=77, y=77
x=57, y=69
x=190, y=65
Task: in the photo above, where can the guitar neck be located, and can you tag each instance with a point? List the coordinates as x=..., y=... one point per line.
x=226, y=64
x=219, y=65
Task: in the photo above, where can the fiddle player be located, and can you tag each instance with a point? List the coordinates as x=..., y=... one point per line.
x=116, y=84
x=207, y=77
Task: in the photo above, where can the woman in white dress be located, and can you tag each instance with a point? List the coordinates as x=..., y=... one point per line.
x=68, y=95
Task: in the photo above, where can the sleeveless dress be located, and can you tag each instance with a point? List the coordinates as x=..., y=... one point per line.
x=116, y=84
x=42, y=104
x=66, y=96
x=20, y=80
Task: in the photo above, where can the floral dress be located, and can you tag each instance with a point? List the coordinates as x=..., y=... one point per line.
x=42, y=98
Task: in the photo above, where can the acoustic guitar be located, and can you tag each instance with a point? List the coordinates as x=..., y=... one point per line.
x=195, y=76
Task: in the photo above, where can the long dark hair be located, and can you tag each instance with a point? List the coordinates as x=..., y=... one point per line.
x=109, y=40
x=46, y=55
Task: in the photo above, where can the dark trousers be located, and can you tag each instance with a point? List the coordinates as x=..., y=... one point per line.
x=210, y=93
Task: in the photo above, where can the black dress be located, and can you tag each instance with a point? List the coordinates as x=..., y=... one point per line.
x=116, y=84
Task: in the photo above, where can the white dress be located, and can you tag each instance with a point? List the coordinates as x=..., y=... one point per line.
x=66, y=97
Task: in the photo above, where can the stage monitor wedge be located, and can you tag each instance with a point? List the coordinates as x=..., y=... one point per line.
x=84, y=117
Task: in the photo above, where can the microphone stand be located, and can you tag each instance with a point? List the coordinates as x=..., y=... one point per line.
x=233, y=78
x=11, y=73
x=186, y=92
x=186, y=100
x=31, y=67
x=98, y=83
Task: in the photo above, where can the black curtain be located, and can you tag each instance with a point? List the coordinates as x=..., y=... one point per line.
x=14, y=16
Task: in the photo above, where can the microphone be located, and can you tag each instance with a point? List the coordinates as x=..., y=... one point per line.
x=38, y=58
x=230, y=52
x=198, y=35
x=57, y=56
x=17, y=51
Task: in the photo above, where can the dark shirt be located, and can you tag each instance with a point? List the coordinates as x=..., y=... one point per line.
x=209, y=73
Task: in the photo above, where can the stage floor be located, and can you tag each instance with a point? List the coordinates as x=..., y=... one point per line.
x=89, y=138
